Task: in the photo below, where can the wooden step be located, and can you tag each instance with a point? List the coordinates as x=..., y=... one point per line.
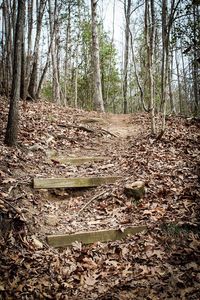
x=79, y=182
x=76, y=160
x=64, y=240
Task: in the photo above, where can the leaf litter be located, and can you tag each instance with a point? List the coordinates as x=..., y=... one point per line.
x=162, y=263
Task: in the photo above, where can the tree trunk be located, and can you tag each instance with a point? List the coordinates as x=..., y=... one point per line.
x=150, y=54
x=44, y=71
x=53, y=22
x=179, y=83
x=184, y=76
x=7, y=49
x=29, y=54
x=33, y=77
x=67, y=63
x=137, y=76
x=167, y=21
x=12, y=125
x=23, y=63
x=170, y=73
x=111, y=57
x=165, y=63
x=127, y=10
x=98, y=99
x=195, y=64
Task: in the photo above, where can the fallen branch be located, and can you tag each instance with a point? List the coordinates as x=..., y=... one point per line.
x=108, y=132
x=77, y=127
x=90, y=201
x=18, y=210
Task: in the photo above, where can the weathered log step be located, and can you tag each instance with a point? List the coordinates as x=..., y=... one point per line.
x=76, y=160
x=64, y=240
x=79, y=182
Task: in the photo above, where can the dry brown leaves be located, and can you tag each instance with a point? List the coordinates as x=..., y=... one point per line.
x=163, y=263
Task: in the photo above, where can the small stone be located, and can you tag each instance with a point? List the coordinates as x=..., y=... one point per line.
x=37, y=243
x=51, y=221
x=135, y=190
x=36, y=147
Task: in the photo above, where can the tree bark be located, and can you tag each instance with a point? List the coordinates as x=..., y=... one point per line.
x=195, y=64
x=167, y=21
x=53, y=22
x=111, y=56
x=29, y=52
x=127, y=11
x=170, y=73
x=98, y=99
x=137, y=76
x=179, y=83
x=33, y=77
x=12, y=125
x=7, y=48
x=150, y=37
x=68, y=48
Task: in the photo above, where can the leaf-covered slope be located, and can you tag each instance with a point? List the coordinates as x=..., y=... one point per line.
x=163, y=263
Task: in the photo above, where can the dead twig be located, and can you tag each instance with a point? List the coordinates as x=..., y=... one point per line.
x=90, y=201
x=18, y=210
x=108, y=132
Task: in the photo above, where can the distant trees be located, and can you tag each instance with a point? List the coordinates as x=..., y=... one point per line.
x=67, y=57
x=165, y=57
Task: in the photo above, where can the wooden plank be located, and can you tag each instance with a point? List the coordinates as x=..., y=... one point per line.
x=79, y=182
x=76, y=160
x=64, y=240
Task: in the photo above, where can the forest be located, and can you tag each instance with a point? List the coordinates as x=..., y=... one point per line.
x=100, y=149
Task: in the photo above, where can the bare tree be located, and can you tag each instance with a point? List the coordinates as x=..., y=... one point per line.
x=29, y=48
x=7, y=39
x=168, y=14
x=195, y=62
x=34, y=72
x=170, y=75
x=53, y=22
x=179, y=82
x=98, y=99
x=150, y=37
x=127, y=12
x=12, y=125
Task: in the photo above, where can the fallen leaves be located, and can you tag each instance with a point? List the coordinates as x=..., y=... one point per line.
x=9, y=180
x=162, y=263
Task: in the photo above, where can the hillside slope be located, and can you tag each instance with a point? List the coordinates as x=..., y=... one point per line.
x=162, y=263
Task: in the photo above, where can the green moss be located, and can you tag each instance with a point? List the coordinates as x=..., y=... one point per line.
x=176, y=230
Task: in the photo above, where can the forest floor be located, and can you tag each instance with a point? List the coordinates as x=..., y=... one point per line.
x=162, y=262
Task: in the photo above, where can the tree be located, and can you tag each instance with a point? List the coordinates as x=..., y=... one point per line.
x=8, y=16
x=98, y=99
x=168, y=14
x=32, y=89
x=53, y=24
x=127, y=12
x=12, y=125
x=150, y=36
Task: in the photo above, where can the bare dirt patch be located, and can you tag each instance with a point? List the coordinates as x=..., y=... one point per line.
x=122, y=125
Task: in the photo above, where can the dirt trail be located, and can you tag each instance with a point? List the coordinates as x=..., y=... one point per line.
x=121, y=125
x=138, y=267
